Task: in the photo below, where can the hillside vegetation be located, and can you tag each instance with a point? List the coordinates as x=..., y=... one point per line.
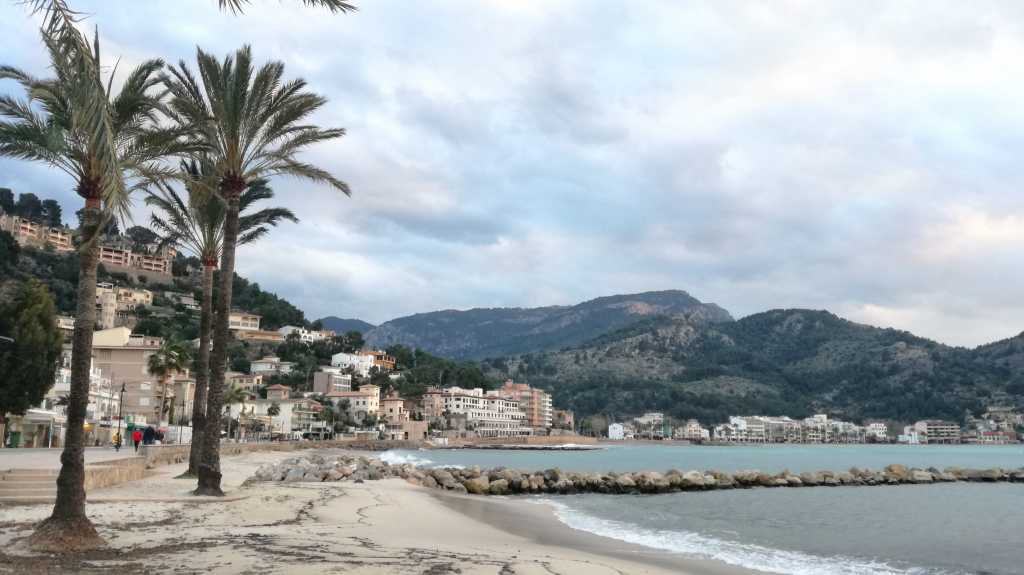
x=794, y=362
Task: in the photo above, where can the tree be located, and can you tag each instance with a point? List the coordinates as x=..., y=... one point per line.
x=75, y=123
x=172, y=357
x=232, y=395
x=249, y=126
x=28, y=365
x=6, y=201
x=142, y=236
x=196, y=225
x=52, y=215
x=274, y=410
x=9, y=250
x=29, y=207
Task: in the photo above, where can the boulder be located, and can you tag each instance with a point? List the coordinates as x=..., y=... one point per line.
x=919, y=476
x=625, y=482
x=498, y=487
x=692, y=480
x=477, y=485
x=428, y=481
x=898, y=471
x=811, y=478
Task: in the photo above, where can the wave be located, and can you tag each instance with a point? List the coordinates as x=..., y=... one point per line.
x=400, y=458
x=744, y=555
x=393, y=457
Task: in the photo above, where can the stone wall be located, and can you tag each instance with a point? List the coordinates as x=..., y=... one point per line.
x=156, y=455
x=528, y=440
x=107, y=473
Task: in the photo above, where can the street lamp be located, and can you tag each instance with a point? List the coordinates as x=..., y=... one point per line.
x=181, y=414
x=120, y=413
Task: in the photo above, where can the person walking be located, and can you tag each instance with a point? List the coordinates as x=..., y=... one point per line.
x=117, y=441
x=136, y=439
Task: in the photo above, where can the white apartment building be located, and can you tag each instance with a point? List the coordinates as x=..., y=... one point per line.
x=361, y=363
x=295, y=414
x=305, y=335
x=104, y=400
x=488, y=414
x=909, y=436
x=270, y=365
x=616, y=432
x=879, y=430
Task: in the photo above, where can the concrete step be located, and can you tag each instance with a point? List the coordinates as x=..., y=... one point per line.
x=18, y=485
x=28, y=478
x=29, y=493
x=28, y=498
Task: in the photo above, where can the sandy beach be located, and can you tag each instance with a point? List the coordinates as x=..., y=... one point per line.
x=388, y=526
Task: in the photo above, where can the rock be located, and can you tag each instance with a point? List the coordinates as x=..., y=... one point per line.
x=294, y=475
x=499, y=487
x=334, y=475
x=477, y=485
x=793, y=481
x=811, y=478
x=919, y=476
x=897, y=471
x=625, y=482
x=692, y=480
x=429, y=481
x=652, y=482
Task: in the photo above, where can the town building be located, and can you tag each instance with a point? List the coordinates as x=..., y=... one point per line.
x=123, y=357
x=243, y=321
x=278, y=392
x=258, y=335
x=937, y=431
x=305, y=335
x=186, y=300
x=30, y=234
x=295, y=415
x=650, y=425
x=154, y=265
x=330, y=379
x=66, y=324
x=563, y=419
x=245, y=381
x=878, y=430
x=910, y=436
x=692, y=431
x=116, y=306
x=363, y=362
x=616, y=432
x=362, y=403
x=270, y=365
x=534, y=403
x=485, y=414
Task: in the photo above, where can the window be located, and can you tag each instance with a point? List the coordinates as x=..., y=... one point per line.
x=144, y=401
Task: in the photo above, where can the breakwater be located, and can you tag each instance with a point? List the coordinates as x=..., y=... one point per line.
x=504, y=481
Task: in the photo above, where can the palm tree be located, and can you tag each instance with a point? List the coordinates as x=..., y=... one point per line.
x=196, y=225
x=237, y=6
x=232, y=395
x=75, y=123
x=172, y=357
x=250, y=126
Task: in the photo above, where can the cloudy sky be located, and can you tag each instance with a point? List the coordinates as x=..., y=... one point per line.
x=861, y=157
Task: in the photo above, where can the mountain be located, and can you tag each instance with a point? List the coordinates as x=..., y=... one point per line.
x=793, y=362
x=479, y=333
x=342, y=325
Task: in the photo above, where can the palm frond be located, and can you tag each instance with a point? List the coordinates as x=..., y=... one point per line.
x=238, y=6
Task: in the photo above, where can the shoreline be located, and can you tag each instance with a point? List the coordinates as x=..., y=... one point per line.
x=537, y=521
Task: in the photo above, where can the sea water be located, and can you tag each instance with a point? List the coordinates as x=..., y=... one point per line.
x=952, y=528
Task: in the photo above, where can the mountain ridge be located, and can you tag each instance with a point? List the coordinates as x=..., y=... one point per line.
x=483, y=332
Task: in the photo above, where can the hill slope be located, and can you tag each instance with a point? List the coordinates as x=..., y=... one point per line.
x=478, y=333
x=342, y=325
x=793, y=362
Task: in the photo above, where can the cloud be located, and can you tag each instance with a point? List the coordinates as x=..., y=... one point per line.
x=860, y=158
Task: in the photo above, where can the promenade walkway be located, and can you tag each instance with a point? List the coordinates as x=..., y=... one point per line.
x=50, y=458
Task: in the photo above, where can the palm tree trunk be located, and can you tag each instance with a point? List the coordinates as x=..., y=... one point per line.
x=202, y=370
x=67, y=528
x=209, y=467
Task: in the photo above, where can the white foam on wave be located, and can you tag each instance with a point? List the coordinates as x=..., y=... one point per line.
x=397, y=458
x=744, y=555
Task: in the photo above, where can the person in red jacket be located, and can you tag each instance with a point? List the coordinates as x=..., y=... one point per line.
x=136, y=439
